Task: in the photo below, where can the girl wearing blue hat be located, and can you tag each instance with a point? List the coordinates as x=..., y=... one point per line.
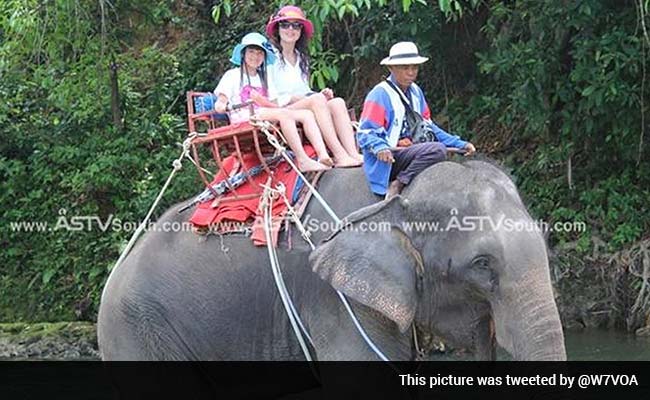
x=249, y=81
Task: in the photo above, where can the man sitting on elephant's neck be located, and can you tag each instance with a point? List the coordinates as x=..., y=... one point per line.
x=385, y=136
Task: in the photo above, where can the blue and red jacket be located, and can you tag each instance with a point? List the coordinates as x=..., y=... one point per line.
x=381, y=127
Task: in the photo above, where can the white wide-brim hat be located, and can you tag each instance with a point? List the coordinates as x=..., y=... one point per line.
x=403, y=53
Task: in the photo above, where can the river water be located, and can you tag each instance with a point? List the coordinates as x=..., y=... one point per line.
x=602, y=345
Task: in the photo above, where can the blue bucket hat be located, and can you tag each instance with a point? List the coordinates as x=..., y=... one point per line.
x=253, y=39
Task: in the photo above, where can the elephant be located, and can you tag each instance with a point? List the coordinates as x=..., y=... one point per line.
x=181, y=296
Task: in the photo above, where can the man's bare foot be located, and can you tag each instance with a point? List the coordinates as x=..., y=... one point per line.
x=358, y=157
x=347, y=162
x=309, y=165
x=394, y=189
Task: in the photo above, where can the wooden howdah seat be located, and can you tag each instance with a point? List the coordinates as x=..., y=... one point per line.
x=223, y=139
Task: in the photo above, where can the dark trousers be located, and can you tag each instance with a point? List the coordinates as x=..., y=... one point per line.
x=414, y=159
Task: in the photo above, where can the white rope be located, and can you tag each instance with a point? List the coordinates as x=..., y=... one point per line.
x=307, y=236
x=419, y=353
x=177, y=165
x=265, y=125
x=360, y=328
x=267, y=205
x=281, y=190
x=189, y=157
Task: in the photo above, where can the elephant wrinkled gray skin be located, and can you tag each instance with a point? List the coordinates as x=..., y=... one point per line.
x=181, y=296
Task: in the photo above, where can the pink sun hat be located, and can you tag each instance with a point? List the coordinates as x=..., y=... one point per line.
x=290, y=13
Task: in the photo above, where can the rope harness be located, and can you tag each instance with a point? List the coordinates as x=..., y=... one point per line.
x=296, y=323
x=265, y=127
x=266, y=204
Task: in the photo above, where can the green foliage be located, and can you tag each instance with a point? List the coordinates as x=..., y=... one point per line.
x=551, y=84
x=569, y=81
x=61, y=156
x=331, y=18
x=63, y=161
x=454, y=9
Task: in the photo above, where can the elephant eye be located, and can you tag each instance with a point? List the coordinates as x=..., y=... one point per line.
x=483, y=274
x=482, y=262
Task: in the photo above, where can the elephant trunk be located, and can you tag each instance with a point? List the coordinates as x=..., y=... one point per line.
x=527, y=320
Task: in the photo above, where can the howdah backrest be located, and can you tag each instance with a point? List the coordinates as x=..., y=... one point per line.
x=201, y=116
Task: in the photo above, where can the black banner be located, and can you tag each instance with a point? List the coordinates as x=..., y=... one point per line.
x=324, y=380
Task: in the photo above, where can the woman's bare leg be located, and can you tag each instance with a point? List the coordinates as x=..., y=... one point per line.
x=339, y=112
x=290, y=132
x=318, y=105
x=312, y=132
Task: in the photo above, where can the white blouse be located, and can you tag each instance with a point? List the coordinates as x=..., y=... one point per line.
x=288, y=79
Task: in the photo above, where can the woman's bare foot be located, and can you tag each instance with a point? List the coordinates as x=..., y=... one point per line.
x=347, y=162
x=326, y=161
x=309, y=165
x=358, y=157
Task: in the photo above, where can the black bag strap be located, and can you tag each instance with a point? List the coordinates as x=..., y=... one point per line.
x=402, y=96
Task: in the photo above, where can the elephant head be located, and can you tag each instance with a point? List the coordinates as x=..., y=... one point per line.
x=459, y=256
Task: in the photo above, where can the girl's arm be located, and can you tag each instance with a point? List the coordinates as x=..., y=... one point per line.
x=221, y=103
x=262, y=101
x=226, y=89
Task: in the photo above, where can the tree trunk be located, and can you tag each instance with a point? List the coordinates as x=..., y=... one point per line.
x=115, y=98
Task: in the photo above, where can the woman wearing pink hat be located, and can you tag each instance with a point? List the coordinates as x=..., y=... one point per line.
x=289, y=30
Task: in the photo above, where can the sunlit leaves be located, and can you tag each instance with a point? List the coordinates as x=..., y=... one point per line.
x=225, y=5
x=454, y=9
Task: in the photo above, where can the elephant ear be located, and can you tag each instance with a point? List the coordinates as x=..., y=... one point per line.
x=380, y=267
